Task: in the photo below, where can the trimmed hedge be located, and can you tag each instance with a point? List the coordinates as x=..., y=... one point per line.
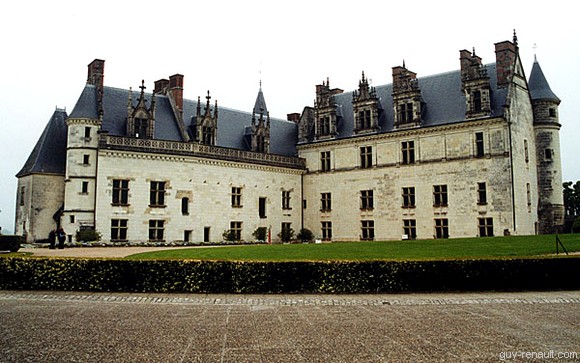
x=10, y=242
x=288, y=277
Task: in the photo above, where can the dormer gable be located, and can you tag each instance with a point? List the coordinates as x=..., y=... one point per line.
x=206, y=123
x=325, y=115
x=140, y=118
x=407, y=101
x=365, y=105
x=475, y=85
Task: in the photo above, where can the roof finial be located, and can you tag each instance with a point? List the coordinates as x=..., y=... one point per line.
x=404, y=63
x=473, y=52
x=535, y=58
x=515, y=38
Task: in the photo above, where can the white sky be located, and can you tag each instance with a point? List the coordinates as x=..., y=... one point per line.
x=227, y=46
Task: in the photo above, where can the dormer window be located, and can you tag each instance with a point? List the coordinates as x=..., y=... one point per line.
x=365, y=105
x=141, y=128
x=141, y=119
x=325, y=112
x=407, y=101
x=477, y=101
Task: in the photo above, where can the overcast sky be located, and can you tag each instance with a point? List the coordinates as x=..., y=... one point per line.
x=228, y=46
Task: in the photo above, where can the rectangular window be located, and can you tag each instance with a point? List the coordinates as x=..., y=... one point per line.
x=72, y=218
x=481, y=193
x=552, y=112
x=206, y=234
x=156, y=230
x=485, y=226
x=477, y=101
x=325, y=161
x=410, y=228
x=118, y=229
x=368, y=120
x=120, y=192
x=85, y=188
x=526, y=152
x=22, y=195
x=286, y=200
x=479, y=149
x=236, y=197
x=368, y=230
x=366, y=156
x=529, y=194
x=185, y=206
x=286, y=232
x=408, y=150
x=87, y=132
x=440, y=195
x=262, y=207
x=187, y=236
x=86, y=159
x=325, y=202
x=366, y=199
x=409, y=197
x=327, y=230
x=548, y=154
x=236, y=228
x=441, y=228
x=157, y=194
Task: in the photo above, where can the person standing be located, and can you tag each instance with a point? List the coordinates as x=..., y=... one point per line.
x=61, y=238
x=52, y=238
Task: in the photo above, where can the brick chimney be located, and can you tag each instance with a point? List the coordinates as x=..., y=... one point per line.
x=96, y=73
x=176, y=89
x=505, y=54
x=161, y=86
x=294, y=117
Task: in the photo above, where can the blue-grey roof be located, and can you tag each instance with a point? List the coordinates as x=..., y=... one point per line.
x=538, y=85
x=49, y=153
x=231, y=123
x=444, y=102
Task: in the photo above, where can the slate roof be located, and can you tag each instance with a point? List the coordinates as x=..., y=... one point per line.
x=538, y=85
x=444, y=102
x=231, y=123
x=49, y=153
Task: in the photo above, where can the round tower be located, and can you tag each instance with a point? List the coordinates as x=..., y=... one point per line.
x=547, y=131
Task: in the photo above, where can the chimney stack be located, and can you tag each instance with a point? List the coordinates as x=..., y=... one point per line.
x=294, y=117
x=176, y=89
x=161, y=86
x=96, y=73
x=505, y=54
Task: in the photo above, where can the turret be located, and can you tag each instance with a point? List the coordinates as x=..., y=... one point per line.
x=547, y=131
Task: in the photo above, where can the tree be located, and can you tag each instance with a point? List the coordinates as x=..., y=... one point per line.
x=305, y=235
x=260, y=234
x=572, y=198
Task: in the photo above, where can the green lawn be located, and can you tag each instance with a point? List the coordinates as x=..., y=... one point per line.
x=397, y=250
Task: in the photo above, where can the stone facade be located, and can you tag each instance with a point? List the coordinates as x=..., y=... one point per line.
x=461, y=154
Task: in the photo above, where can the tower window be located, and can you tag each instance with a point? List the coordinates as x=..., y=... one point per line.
x=86, y=159
x=141, y=128
x=548, y=154
x=185, y=206
x=552, y=112
x=85, y=188
x=87, y=132
x=22, y=194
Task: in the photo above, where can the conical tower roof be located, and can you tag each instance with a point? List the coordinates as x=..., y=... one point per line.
x=538, y=85
x=260, y=105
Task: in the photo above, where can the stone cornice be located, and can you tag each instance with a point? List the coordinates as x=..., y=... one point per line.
x=83, y=121
x=402, y=134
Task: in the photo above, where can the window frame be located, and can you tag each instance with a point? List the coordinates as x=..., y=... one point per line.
x=119, y=228
x=120, y=192
x=326, y=229
x=157, y=194
x=440, y=195
x=481, y=193
x=410, y=228
x=485, y=226
x=156, y=230
x=366, y=199
x=366, y=157
x=325, y=202
x=408, y=194
x=441, y=228
x=236, y=197
x=367, y=230
x=408, y=152
x=325, y=161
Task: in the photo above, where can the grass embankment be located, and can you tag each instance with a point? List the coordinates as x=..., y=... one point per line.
x=520, y=246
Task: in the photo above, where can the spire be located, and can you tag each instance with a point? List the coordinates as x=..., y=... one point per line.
x=538, y=85
x=260, y=105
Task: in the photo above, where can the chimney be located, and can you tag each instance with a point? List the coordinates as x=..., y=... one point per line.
x=176, y=89
x=161, y=86
x=294, y=117
x=96, y=73
x=505, y=55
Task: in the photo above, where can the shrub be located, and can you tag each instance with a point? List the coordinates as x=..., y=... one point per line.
x=305, y=235
x=87, y=235
x=286, y=234
x=229, y=235
x=576, y=225
x=260, y=234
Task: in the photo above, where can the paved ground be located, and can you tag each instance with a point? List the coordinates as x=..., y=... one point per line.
x=93, y=251
x=470, y=327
